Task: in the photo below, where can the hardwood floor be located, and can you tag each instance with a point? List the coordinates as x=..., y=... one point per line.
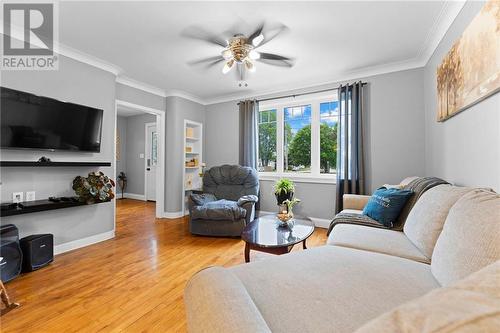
x=132, y=283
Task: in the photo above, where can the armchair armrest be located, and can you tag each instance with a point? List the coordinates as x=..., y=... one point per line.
x=247, y=202
x=355, y=201
x=247, y=199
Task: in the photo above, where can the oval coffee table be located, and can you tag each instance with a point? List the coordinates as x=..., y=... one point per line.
x=266, y=235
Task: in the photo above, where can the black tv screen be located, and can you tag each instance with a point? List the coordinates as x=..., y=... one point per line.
x=32, y=122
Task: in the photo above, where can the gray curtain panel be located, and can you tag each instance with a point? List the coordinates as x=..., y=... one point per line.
x=249, y=113
x=350, y=152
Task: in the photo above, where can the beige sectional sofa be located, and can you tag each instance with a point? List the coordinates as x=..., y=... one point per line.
x=364, y=278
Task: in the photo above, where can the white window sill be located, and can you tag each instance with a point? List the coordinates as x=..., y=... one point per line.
x=299, y=178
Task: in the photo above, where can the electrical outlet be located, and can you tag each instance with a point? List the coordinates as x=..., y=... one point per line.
x=17, y=197
x=30, y=196
x=141, y=155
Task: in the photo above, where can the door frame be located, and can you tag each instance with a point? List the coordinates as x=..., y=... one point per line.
x=160, y=171
x=146, y=125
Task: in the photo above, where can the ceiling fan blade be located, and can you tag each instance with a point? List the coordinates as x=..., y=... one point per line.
x=208, y=62
x=195, y=32
x=272, y=33
x=275, y=60
x=256, y=34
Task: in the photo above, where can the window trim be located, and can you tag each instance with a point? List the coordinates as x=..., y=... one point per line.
x=315, y=176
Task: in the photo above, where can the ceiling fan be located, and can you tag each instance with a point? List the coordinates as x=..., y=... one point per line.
x=241, y=51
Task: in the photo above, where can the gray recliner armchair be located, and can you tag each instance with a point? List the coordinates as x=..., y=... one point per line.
x=226, y=204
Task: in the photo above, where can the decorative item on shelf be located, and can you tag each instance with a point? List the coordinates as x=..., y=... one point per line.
x=189, y=132
x=95, y=188
x=284, y=190
x=189, y=149
x=202, y=170
x=192, y=163
x=122, y=182
x=44, y=159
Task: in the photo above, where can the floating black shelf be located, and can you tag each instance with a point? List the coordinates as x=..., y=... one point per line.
x=52, y=164
x=39, y=206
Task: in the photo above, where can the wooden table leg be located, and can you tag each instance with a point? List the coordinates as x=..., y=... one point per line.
x=6, y=300
x=247, y=252
x=304, y=244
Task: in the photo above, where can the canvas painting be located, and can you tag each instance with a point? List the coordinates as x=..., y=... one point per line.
x=470, y=72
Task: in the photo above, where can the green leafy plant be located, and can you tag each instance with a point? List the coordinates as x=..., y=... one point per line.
x=291, y=203
x=95, y=188
x=284, y=186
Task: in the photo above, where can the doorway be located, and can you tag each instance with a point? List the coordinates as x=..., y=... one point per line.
x=151, y=160
x=139, y=154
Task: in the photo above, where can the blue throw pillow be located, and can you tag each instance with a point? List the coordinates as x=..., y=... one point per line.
x=386, y=204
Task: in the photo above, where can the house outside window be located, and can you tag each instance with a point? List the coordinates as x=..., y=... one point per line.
x=298, y=137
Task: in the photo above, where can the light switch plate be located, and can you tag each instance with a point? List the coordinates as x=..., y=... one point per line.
x=17, y=197
x=141, y=155
x=30, y=196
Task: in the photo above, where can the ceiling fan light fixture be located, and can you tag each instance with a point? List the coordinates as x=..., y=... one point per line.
x=227, y=66
x=257, y=40
x=250, y=65
x=227, y=54
x=254, y=55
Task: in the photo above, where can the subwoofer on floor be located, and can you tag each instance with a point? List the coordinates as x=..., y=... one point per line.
x=38, y=251
x=10, y=251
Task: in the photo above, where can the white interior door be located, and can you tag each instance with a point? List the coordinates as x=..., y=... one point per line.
x=151, y=160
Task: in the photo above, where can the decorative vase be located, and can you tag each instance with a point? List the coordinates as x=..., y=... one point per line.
x=283, y=196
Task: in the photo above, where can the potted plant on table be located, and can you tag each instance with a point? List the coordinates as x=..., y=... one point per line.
x=284, y=190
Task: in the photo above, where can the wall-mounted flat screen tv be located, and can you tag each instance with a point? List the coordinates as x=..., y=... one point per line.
x=29, y=121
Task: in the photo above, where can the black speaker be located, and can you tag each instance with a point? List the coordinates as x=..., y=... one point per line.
x=38, y=251
x=10, y=251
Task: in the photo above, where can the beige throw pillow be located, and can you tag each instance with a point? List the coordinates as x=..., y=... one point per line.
x=471, y=305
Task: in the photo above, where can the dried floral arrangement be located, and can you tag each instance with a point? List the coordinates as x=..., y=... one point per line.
x=95, y=188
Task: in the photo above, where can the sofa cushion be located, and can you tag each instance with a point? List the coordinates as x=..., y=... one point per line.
x=216, y=291
x=376, y=240
x=470, y=305
x=470, y=239
x=218, y=210
x=330, y=288
x=425, y=221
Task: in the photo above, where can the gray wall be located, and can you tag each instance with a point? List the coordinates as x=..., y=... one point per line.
x=465, y=149
x=78, y=83
x=222, y=139
x=136, y=137
x=178, y=109
x=394, y=139
x=121, y=130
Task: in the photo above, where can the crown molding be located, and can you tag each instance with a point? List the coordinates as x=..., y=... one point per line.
x=186, y=95
x=442, y=23
x=140, y=85
x=88, y=59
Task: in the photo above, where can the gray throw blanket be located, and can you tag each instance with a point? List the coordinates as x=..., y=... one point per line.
x=418, y=186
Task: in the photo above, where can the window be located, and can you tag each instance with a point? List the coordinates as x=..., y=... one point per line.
x=267, y=140
x=299, y=138
x=329, y=116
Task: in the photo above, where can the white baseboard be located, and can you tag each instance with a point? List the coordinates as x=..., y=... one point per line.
x=320, y=223
x=78, y=243
x=172, y=215
x=133, y=196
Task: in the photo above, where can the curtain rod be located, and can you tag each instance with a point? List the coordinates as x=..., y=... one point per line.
x=299, y=94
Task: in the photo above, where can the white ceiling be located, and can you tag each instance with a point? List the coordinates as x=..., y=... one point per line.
x=331, y=41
